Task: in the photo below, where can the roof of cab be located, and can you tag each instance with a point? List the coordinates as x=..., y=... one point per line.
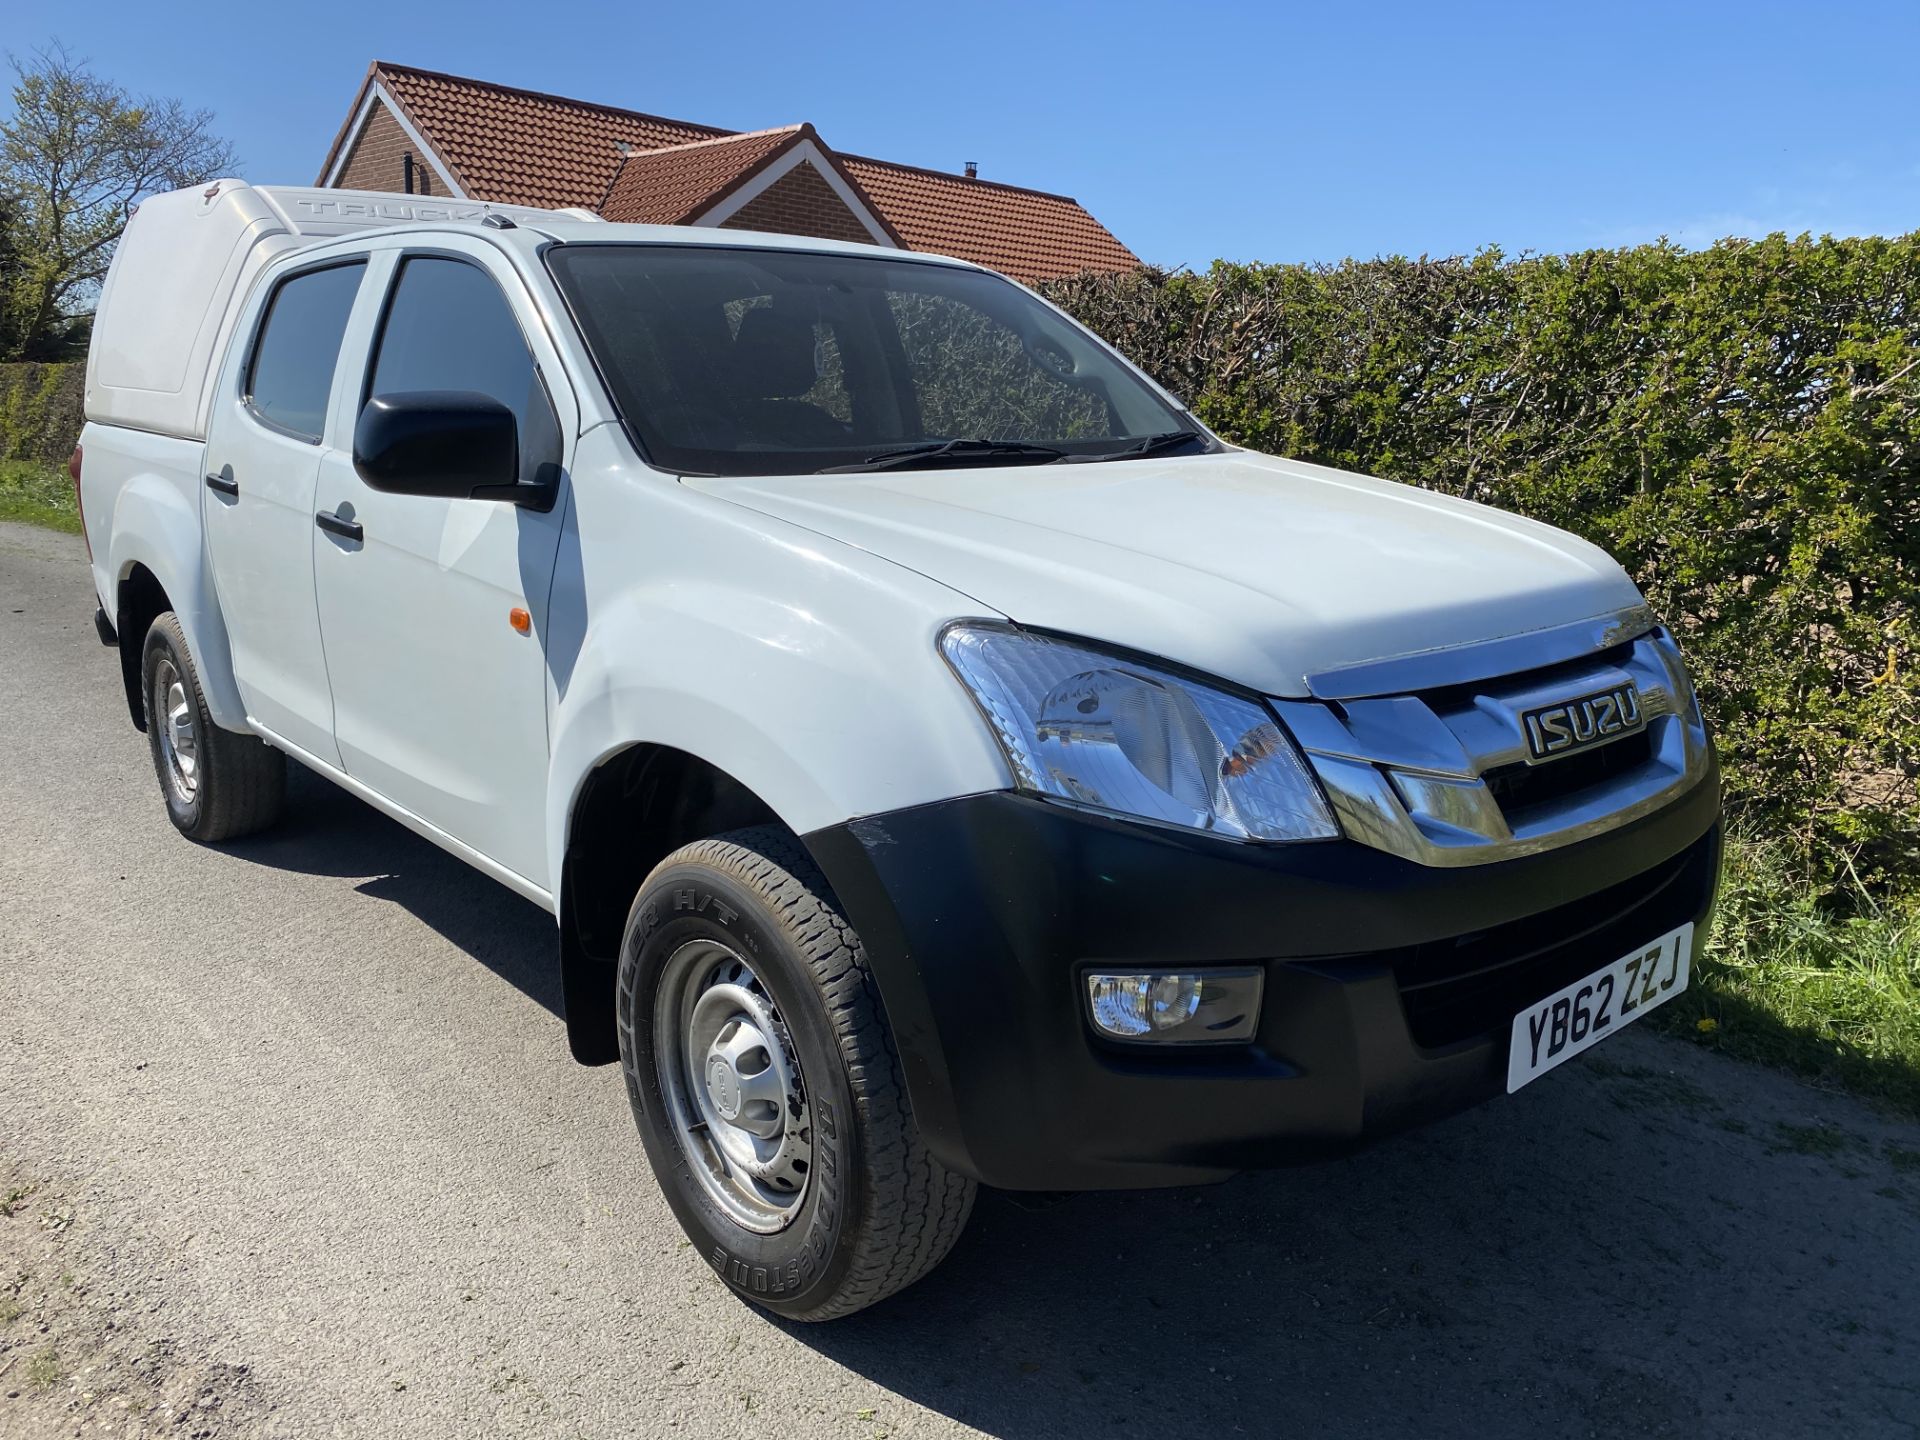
x=569, y=231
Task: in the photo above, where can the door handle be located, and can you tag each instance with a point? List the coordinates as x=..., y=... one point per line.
x=339, y=525
x=224, y=485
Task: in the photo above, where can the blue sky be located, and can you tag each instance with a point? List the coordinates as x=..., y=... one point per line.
x=1270, y=131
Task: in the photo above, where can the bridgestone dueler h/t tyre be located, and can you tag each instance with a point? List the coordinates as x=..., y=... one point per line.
x=218, y=785
x=766, y=1086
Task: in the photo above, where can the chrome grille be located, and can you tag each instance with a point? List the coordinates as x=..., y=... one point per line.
x=1517, y=789
x=1444, y=776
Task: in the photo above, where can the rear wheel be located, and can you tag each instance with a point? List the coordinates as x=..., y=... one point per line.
x=218, y=785
x=766, y=1086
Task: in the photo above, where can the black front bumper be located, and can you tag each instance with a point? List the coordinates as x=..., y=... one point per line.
x=1390, y=986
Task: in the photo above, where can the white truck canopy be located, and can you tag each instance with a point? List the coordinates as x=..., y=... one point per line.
x=186, y=261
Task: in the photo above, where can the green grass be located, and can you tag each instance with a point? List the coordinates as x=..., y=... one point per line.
x=1825, y=985
x=38, y=494
x=44, y=1370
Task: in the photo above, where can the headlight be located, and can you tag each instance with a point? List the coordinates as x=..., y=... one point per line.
x=1117, y=735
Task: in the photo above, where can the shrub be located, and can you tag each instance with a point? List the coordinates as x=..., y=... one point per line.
x=1740, y=426
x=41, y=410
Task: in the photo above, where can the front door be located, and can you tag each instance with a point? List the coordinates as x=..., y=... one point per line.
x=263, y=456
x=439, y=687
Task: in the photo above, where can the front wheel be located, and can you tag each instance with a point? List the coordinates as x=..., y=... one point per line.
x=766, y=1086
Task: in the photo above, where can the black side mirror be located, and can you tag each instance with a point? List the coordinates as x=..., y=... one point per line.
x=456, y=444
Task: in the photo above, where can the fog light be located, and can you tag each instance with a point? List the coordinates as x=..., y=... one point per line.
x=1176, y=1007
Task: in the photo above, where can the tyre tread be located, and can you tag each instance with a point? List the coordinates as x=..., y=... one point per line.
x=243, y=785
x=915, y=1208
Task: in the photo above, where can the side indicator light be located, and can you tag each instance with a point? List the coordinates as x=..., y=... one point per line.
x=520, y=620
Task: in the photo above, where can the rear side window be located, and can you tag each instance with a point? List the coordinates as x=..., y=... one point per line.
x=291, y=373
x=448, y=327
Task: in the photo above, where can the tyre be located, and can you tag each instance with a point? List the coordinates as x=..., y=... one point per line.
x=766, y=1086
x=218, y=785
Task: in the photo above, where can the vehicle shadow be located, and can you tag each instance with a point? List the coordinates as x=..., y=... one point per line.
x=327, y=831
x=1644, y=1243
x=1653, y=1240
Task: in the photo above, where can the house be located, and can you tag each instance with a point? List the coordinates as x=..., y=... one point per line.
x=421, y=132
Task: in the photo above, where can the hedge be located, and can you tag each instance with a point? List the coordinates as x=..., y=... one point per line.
x=41, y=410
x=1739, y=425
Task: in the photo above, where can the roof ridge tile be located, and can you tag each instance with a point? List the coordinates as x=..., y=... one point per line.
x=445, y=77
x=730, y=138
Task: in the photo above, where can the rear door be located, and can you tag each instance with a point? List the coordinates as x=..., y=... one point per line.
x=264, y=444
x=440, y=702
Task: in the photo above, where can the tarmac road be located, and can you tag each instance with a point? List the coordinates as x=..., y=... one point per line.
x=290, y=1144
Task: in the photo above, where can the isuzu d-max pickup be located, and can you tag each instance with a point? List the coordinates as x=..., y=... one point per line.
x=947, y=762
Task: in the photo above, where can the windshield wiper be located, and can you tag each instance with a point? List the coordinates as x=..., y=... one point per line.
x=1150, y=445
x=941, y=452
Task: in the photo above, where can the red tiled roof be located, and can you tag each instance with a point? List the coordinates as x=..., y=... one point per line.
x=676, y=183
x=1027, y=234
x=522, y=147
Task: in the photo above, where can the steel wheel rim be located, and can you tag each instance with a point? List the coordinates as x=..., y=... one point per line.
x=735, y=1095
x=172, y=716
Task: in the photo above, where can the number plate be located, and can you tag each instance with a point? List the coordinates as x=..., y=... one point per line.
x=1564, y=1024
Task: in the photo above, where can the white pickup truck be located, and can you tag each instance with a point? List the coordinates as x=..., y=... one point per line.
x=946, y=761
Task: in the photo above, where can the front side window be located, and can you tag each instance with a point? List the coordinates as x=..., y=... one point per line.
x=733, y=361
x=290, y=375
x=448, y=327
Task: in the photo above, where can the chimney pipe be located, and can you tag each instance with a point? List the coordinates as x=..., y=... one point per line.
x=973, y=169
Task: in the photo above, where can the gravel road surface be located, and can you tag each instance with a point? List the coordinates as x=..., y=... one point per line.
x=290, y=1144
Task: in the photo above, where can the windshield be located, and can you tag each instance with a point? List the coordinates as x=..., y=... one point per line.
x=733, y=361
